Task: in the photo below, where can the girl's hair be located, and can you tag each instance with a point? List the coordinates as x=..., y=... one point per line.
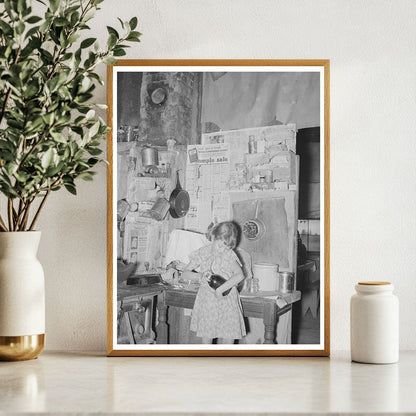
x=225, y=231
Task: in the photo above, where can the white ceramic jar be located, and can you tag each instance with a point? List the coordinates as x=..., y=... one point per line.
x=374, y=323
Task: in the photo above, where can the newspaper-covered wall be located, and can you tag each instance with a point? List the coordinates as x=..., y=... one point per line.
x=207, y=176
x=247, y=160
x=143, y=240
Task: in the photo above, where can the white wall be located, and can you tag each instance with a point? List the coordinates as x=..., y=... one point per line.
x=371, y=45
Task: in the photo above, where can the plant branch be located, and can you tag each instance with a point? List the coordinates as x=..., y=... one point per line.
x=10, y=213
x=2, y=225
x=21, y=212
x=57, y=54
x=51, y=187
x=18, y=215
x=26, y=216
x=39, y=210
x=85, y=9
x=6, y=99
x=35, y=145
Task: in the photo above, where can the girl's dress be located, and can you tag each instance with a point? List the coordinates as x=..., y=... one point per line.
x=213, y=317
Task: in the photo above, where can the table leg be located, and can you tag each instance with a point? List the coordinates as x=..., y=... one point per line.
x=270, y=322
x=162, y=327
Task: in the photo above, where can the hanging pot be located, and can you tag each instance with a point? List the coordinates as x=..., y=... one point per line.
x=22, y=296
x=179, y=200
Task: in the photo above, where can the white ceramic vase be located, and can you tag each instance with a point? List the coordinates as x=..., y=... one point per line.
x=22, y=296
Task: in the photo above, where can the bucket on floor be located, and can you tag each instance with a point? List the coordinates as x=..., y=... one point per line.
x=267, y=275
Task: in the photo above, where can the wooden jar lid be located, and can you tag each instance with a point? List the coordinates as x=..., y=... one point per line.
x=374, y=283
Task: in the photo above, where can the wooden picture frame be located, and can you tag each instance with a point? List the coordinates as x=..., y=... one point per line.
x=168, y=108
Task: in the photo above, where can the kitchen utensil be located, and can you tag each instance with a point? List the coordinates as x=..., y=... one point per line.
x=216, y=281
x=251, y=145
x=286, y=282
x=123, y=208
x=267, y=275
x=254, y=229
x=152, y=170
x=193, y=155
x=251, y=285
x=121, y=135
x=150, y=156
x=129, y=133
x=159, y=96
x=179, y=200
x=146, y=279
x=160, y=209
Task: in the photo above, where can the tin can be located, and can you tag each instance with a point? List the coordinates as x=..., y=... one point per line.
x=160, y=209
x=286, y=282
x=150, y=156
x=268, y=174
x=251, y=145
x=193, y=155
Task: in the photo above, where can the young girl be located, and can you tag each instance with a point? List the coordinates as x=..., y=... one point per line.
x=215, y=315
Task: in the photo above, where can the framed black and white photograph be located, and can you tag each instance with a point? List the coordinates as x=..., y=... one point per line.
x=218, y=207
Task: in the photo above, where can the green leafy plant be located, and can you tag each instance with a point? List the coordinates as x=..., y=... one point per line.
x=50, y=134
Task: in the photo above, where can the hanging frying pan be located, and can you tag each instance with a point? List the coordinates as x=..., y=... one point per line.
x=254, y=229
x=179, y=200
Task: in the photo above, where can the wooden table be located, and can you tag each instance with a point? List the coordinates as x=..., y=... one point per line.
x=260, y=305
x=132, y=326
